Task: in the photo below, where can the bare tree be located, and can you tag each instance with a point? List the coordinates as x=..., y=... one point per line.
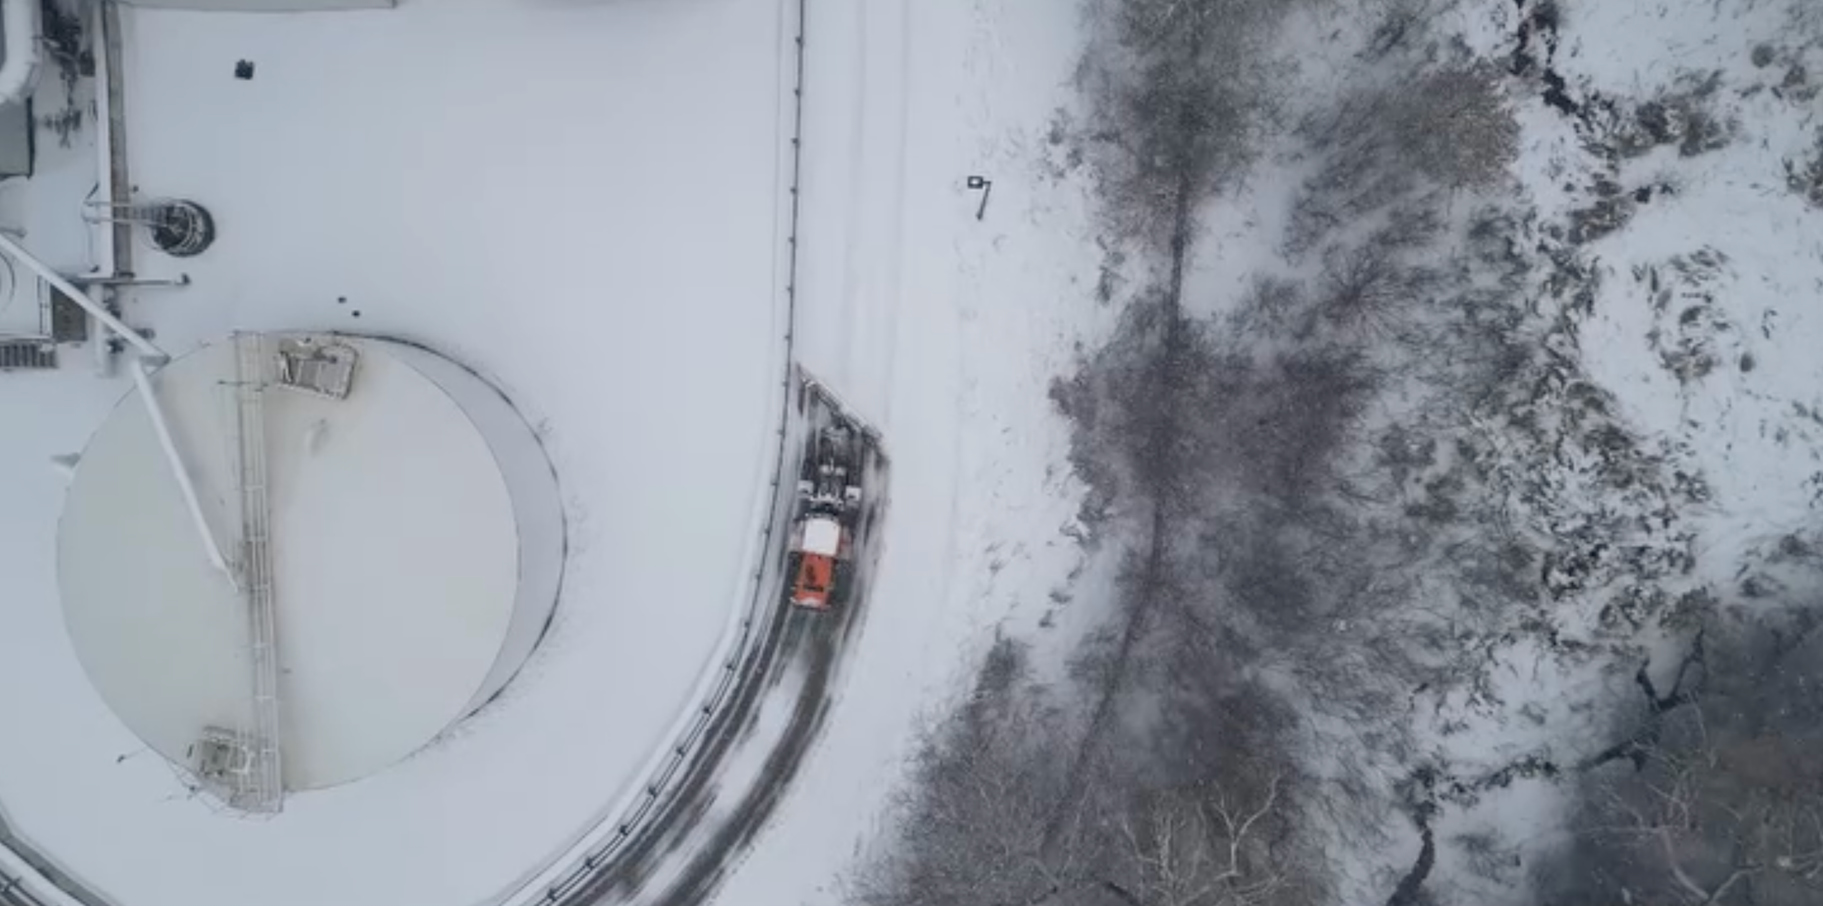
x=1178, y=90
x=1805, y=175
x=1448, y=129
x=1168, y=778
x=1200, y=815
x=1722, y=822
x=1721, y=801
x=1455, y=125
x=1400, y=23
x=1201, y=847
x=985, y=786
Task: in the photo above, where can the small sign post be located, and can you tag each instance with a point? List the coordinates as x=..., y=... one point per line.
x=986, y=187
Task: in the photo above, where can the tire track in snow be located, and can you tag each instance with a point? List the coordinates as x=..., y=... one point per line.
x=795, y=645
x=802, y=655
x=787, y=636
x=677, y=797
x=890, y=296
x=853, y=284
x=819, y=644
x=873, y=263
x=874, y=208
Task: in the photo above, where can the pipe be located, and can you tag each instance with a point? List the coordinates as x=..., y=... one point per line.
x=146, y=349
x=143, y=380
x=20, y=19
x=101, y=349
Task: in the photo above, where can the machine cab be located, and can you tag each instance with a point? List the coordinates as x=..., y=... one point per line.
x=819, y=547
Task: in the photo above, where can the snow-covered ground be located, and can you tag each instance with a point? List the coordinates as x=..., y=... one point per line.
x=1721, y=270
x=1665, y=269
x=562, y=196
x=1680, y=270
x=583, y=199
x=1618, y=454
x=946, y=331
x=1703, y=323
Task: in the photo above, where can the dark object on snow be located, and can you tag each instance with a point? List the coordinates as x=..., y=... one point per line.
x=176, y=226
x=987, y=188
x=179, y=228
x=69, y=322
x=18, y=139
x=27, y=355
x=244, y=70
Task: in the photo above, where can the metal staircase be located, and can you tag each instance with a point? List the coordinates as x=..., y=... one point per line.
x=260, y=786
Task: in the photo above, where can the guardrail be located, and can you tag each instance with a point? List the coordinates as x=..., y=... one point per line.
x=600, y=856
x=13, y=892
x=598, y=849
x=28, y=878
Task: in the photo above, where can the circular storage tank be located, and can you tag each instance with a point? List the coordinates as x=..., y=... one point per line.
x=392, y=532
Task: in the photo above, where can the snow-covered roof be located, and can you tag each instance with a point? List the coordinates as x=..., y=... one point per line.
x=395, y=560
x=822, y=535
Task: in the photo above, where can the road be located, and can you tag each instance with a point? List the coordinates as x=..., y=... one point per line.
x=769, y=723
x=752, y=747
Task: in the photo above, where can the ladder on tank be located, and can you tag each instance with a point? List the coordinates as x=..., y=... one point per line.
x=261, y=787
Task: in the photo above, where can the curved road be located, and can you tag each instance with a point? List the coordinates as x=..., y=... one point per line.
x=682, y=840
x=763, y=732
x=759, y=723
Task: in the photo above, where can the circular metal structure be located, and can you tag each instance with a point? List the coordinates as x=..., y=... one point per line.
x=391, y=540
x=180, y=228
x=176, y=226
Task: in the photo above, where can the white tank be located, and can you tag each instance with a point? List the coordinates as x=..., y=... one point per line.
x=415, y=552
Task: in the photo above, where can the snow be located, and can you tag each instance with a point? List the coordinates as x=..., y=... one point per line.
x=267, y=6
x=538, y=517
x=532, y=189
x=822, y=536
x=946, y=332
x=383, y=646
x=562, y=194
x=1742, y=423
x=44, y=211
x=1721, y=263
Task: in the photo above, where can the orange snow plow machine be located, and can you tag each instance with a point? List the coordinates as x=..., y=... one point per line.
x=822, y=535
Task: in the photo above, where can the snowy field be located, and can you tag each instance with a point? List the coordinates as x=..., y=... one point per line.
x=561, y=195
x=946, y=330
x=1460, y=438
x=1441, y=462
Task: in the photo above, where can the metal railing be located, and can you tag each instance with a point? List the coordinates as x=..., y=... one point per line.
x=660, y=783
x=261, y=789
x=27, y=876
x=100, y=312
x=14, y=893
x=677, y=756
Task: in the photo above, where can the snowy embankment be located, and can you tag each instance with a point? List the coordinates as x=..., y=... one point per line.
x=1705, y=324
x=945, y=331
x=1551, y=544
x=1475, y=444
x=1648, y=262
